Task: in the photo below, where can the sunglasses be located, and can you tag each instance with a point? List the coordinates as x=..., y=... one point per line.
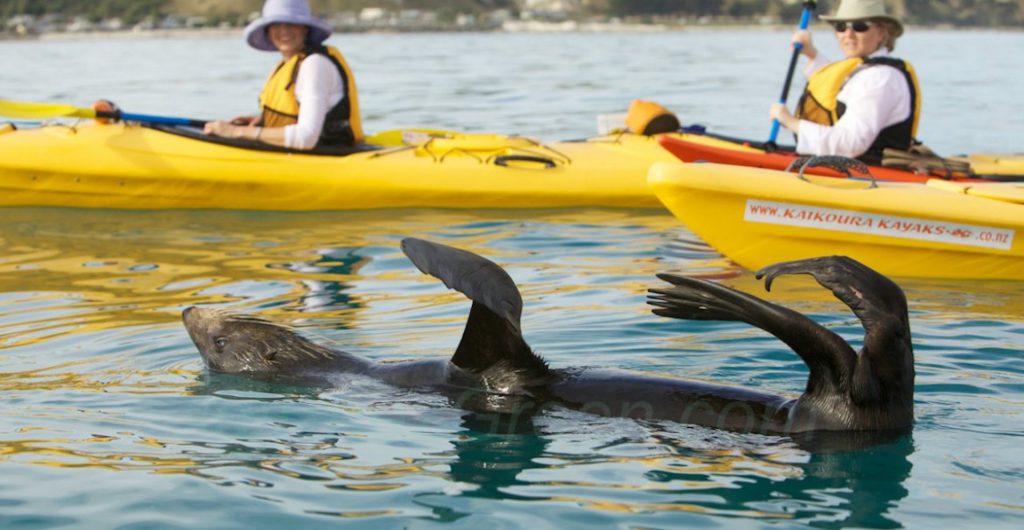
x=860, y=26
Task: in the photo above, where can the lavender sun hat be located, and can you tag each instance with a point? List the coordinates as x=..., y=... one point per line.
x=287, y=11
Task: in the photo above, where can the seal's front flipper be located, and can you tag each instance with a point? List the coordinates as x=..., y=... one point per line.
x=493, y=336
x=885, y=368
x=871, y=296
x=829, y=358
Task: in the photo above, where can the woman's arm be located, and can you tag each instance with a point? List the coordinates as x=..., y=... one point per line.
x=318, y=88
x=816, y=62
x=272, y=136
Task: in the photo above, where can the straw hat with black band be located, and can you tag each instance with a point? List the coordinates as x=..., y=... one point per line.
x=871, y=10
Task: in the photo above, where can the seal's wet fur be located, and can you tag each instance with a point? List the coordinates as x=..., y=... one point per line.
x=494, y=368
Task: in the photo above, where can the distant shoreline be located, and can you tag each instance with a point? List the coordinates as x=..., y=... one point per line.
x=513, y=27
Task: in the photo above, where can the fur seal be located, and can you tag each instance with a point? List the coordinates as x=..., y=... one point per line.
x=846, y=390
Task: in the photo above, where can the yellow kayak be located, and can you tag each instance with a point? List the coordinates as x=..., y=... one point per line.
x=995, y=164
x=128, y=166
x=757, y=217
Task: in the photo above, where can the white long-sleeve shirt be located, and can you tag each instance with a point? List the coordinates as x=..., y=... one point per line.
x=875, y=96
x=318, y=88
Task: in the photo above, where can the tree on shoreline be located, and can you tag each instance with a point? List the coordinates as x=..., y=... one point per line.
x=957, y=12
x=129, y=11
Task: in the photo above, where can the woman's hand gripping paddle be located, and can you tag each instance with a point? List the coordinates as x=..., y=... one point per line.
x=805, y=20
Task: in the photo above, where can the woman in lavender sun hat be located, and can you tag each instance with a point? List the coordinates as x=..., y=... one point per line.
x=310, y=98
x=861, y=105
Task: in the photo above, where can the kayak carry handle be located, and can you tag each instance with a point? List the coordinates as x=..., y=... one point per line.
x=842, y=164
x=503, y=160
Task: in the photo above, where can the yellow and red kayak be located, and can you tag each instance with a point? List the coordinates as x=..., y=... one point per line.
x=695, y=148
x=758, y=217
x=128, y=166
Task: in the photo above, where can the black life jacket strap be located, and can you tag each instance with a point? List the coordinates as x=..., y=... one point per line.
x=337, y=127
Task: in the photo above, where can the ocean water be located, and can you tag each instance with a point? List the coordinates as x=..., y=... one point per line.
x=109, y=420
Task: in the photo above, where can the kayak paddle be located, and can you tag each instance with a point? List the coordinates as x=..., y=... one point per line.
x=35, y=111
x=805, y=20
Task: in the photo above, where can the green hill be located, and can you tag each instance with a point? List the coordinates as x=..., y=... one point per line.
x=132, y=11
x=1005, y=13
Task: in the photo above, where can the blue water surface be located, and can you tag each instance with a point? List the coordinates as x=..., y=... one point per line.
x=109, y=420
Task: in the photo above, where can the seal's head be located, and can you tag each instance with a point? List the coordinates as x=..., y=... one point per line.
x=241, y=344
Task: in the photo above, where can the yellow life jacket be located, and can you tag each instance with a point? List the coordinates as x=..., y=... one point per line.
x=280, y=107
x=820, y=103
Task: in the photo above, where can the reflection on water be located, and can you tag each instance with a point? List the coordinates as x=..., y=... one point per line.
x=324, y=295
x=852, y=481
x=104, y=394
x=850, y=488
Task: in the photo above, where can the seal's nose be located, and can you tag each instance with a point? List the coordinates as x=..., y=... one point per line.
x=184, y=314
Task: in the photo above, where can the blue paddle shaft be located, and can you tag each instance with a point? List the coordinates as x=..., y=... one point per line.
x=805, y=20
x=147, y=118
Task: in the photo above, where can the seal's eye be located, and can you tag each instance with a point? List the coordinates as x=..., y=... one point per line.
x=220, y=342
x=270, y=355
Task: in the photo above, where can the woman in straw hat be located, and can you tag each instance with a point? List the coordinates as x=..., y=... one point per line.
x=310, y=98
x=861, y=105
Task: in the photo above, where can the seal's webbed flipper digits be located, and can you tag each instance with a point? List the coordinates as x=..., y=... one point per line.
x=493, y=334
x=885, y=368
x=828, y=357
x=871, y=296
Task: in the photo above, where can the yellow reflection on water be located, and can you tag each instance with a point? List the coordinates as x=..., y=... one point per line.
x=1018, y=507
x=172, y=457
x=56, y=453
x=641, y=507
x=356, y=514
x=375, y=473
x=940, y=298
x=75, y=376
x=79, y=272
x=369, y=487
x=710, y=463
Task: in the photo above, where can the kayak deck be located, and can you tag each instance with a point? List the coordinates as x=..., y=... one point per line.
x=693, y=148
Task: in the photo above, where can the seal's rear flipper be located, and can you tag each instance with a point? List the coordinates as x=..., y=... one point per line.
x=885, y=367
x=829, y=358
x=493, y=335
